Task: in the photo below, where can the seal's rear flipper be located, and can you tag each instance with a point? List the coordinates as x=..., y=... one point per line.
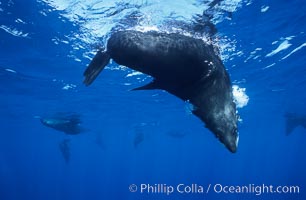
x=97, y=64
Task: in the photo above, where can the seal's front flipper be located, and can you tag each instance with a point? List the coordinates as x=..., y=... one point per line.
x=150, y=86
x=97, y=64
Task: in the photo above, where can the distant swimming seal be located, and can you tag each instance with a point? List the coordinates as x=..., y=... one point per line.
x=68, y=123
x=294, y=120
x=184, y=66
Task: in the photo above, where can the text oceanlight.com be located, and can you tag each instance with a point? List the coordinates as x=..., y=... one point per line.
x=213, y=188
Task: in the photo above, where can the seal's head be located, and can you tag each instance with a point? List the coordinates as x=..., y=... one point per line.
x=223, y=124
x=228, y=136
x=221, y=120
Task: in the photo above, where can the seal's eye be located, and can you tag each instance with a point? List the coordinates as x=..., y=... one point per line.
x=234, y=131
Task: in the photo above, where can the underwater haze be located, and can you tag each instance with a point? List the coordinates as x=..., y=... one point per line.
x=61, y=140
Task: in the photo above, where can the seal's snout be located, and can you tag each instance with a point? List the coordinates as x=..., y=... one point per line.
x=232, y=146
x=231, y=141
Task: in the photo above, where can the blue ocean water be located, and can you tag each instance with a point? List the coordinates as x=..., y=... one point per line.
x=147, y=137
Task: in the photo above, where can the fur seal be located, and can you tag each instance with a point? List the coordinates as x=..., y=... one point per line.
x=184, y=66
